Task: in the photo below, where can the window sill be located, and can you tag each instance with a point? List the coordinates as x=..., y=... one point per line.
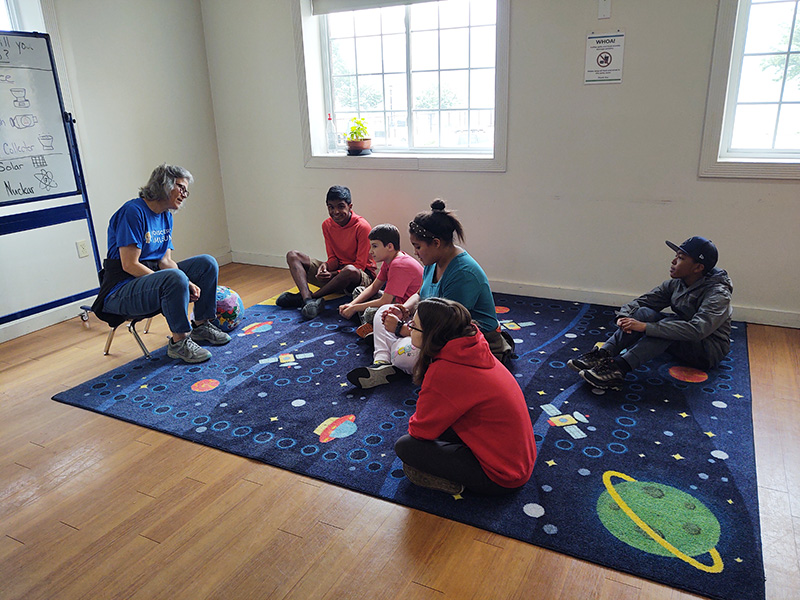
x=749, y=169
x=481, y=163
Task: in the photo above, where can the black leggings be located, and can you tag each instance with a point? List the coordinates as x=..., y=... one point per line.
x=450, y=458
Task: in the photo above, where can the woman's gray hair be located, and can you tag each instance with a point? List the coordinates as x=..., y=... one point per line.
x=162, y=182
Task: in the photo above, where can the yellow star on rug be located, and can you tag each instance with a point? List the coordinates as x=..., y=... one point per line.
x=273, y=418
x=739, y=560
x=677, y=457
x=458, y=497
x=683, y=414
x=730, y=501
x=143, y=386
x=551, y=463
x=542, y=393
x=343, y=384
x=738, y=396
x=709, y=434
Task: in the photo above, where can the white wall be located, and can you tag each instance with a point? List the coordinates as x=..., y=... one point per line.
x=139, y=84
x=598, y=176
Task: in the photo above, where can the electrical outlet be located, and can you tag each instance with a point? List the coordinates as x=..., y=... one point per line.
x=83, y=248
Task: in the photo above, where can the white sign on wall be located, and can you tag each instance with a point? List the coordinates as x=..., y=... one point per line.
x=604, y=54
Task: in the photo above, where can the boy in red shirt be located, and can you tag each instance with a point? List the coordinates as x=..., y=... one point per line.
x=348, y=265
x=400, y=277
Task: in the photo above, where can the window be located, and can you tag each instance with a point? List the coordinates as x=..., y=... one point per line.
x=753, y=114
x=5, y=20
x=429, y=77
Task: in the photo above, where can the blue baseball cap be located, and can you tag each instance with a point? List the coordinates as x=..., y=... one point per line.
x=701, y=250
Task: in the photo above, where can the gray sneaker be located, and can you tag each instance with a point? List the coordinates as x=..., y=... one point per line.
x=208, y=332
x=606, y=375
x=312, y=308
x=187, y=350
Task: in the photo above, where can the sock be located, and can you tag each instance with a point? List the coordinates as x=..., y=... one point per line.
x=622, y=364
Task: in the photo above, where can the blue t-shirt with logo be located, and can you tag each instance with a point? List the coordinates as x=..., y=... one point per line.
x=136, y=224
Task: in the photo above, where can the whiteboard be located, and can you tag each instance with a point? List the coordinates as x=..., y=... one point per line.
x=35, y=158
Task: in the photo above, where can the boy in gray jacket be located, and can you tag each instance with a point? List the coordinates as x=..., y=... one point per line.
x=697, y=333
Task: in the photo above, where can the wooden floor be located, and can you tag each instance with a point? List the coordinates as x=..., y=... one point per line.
x=91, y=507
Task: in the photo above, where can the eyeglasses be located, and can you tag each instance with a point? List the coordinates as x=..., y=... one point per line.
x=410, y=326
x=184, y=191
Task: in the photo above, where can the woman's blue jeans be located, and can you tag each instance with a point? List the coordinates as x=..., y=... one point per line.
x=168, y=291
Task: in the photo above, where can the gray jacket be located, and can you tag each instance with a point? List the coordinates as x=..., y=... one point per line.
x=703, y=310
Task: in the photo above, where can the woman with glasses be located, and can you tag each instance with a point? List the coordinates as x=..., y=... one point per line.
x=140, y=277
x=471, y=429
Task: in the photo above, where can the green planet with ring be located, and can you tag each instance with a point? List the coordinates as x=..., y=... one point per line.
x=659, y=519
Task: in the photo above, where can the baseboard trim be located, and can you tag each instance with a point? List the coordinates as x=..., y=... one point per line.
x=262, y=260
x=748, y=314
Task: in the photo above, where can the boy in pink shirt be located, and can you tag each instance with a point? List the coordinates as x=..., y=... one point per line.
x=400, y=277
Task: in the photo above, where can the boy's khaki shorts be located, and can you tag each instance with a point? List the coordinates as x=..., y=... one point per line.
x=311, y=276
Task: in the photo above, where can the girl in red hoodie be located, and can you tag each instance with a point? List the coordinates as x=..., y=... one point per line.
x=471, y=428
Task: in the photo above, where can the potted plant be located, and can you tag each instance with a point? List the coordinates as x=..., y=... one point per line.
x=358, y=140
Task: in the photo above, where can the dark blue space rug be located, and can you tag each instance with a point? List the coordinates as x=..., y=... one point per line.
x=657, y=480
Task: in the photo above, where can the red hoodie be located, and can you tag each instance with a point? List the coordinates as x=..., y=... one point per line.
x=467, y=388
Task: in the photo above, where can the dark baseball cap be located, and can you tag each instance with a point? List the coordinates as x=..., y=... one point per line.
x=701, y=250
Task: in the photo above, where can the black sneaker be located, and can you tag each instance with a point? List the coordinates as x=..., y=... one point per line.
x=606, y=375
x=289, y=300
x=432, y=482
x=312, y=307
x=589, y=360
x=373, y=376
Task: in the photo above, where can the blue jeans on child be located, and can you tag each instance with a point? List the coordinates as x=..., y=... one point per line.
x=167, y=290
x=641, y=347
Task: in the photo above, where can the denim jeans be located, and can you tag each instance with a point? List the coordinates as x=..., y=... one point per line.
x=168, y=291
x=640, y=347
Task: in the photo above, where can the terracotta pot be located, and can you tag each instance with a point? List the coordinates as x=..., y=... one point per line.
x=356, y=147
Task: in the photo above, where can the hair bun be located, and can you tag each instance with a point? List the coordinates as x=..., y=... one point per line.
x=437, y=204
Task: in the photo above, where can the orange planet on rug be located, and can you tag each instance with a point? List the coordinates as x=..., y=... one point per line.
x=501, y=310
x=205, y=385
x=688, y=374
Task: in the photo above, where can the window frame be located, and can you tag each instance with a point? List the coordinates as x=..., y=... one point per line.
x=718, y=115
x=313, y=113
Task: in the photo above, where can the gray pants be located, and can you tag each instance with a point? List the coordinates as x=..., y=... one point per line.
x=640, y=348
